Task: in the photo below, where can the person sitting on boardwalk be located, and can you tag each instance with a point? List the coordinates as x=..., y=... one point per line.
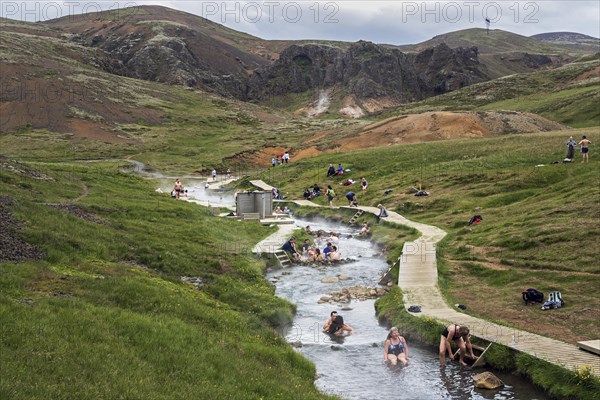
x=335, y=325
x=290, y=247
x=460, y=336
x=382, y=212
x=395, y=348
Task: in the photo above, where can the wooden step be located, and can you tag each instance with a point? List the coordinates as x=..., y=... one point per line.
x=356, y=216
x=283, y=258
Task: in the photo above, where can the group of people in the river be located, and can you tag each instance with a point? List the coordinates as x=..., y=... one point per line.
x=395, y=348
x=309, y=253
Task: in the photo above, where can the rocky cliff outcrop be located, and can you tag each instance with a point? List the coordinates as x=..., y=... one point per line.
x=367, y=70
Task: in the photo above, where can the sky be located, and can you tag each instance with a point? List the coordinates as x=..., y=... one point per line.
x=393, y=22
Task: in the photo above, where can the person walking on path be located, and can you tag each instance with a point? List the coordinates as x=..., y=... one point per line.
x=584, y=143
x=461, y=337
x=214, y=174
x=395, y=348
x=382, y=212
x=330, y=195
x=178, y=188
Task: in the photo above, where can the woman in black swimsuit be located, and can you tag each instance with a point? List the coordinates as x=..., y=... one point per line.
x=460, y=336
x=395, y=348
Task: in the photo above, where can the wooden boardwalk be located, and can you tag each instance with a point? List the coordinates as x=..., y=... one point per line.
x=418, y=280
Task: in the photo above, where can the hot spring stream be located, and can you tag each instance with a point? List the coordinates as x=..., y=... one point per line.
x=352, y=367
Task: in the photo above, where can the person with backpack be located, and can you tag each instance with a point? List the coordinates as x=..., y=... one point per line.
x=571, y=145
x=330, y=195
x=461, y=337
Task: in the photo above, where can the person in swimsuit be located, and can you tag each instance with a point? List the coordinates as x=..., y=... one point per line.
x=363, y=183
x=395, y=348
x=584, y=143
x=461, y=337
x=178, y=188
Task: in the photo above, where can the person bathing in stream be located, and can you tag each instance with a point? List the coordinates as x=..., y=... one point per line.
x=335, y=325
x=461, y=337
x=395, y=348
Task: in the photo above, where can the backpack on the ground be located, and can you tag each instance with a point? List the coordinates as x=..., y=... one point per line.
x=556, y=297
x=532, y=295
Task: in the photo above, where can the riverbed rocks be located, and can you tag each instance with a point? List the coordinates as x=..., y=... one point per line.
x=330, y=279
x=487, y=380
x=353, y=293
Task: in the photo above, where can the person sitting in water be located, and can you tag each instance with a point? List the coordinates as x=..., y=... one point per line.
x=335, y=255
x=335, y=325
x=328, y=249
x=286, y=210
x=461, y=337
x=395, y=348
x=365, y=230
x=334, y=239
x=315, y=256
x=278, y=210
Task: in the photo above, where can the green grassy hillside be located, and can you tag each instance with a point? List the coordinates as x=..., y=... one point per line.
x=540, y=220
x=104, y=313
x=494, y=41
x=569, y=94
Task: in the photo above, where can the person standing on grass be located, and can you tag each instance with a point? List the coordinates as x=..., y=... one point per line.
x=274, y=161
x=178, y=188
x=330, y=195
x=571, y=144
x=584, y=143
x=363, y=183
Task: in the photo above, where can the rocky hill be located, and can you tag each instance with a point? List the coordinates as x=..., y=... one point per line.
x=572, y=40
x=367, y=70
x=159, y=44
